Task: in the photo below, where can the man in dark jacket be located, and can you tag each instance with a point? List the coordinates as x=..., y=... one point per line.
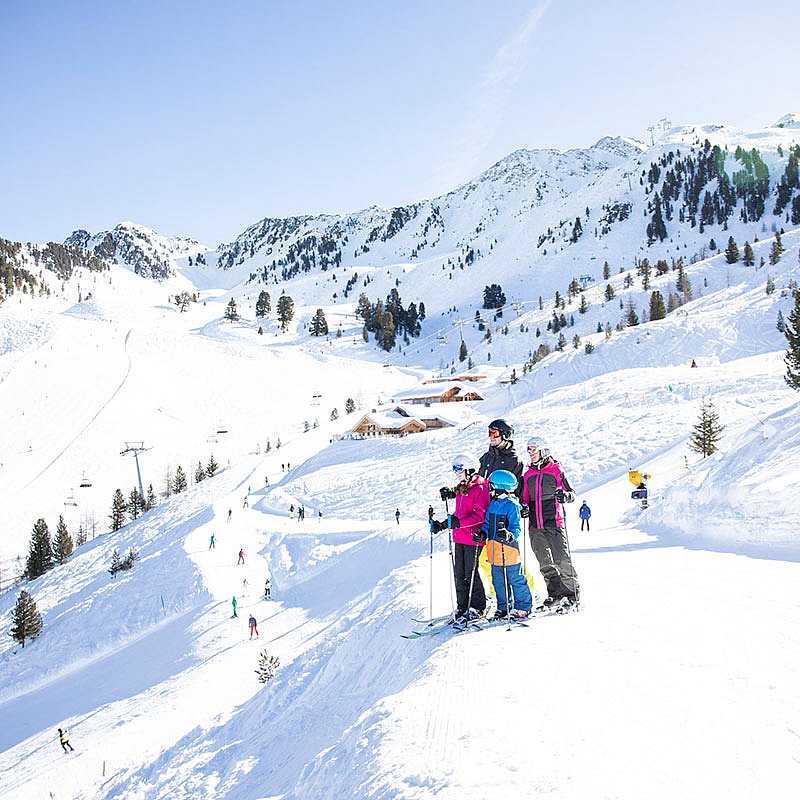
x=501, y=453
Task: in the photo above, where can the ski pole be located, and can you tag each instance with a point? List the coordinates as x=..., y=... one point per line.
x=472, y=579
x=569, y=556
x=430, y=607
x=505, y=584
x=452, y=557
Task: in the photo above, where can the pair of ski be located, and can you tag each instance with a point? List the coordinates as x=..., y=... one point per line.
x=439, y=625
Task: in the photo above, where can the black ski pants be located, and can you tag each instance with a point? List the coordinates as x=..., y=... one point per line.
x=552, y=552
x=465, y=569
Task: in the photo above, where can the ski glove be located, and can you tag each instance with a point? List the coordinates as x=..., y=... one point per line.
x=437, y=526
x=502, y=534
x=479, y=537
x=453, y=521
x=524, y=512
x=447, y=493
x=562, y=496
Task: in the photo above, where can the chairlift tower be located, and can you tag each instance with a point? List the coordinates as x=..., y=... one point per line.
x=136, y=448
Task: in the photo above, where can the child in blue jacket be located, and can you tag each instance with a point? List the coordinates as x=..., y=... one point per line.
x=501, y=529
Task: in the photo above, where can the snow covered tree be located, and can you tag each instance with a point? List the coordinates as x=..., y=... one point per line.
x=584, y=306
x=118, y=510
x=285, y=311
x=610, y=293
x=707, y=432
x=334, y=414
x=589, y=348
x=40, y=551
x=631, y=317
x=562, y=342
x=780, y=324
x=212, y=467
x=63, y=545
x=267, y=667
x=770, y=287
x=182, y=300
x=199, y=473
x=606, y=270
x=262, y=304
x=231, y=312
x=749, y=257
x=462, y=351
x=180, y=483
x=319, y=325
x=350, y=405
x=26, y=621
x=732, y=251
x=151, y=498
x=792, y=334
x=775, y=251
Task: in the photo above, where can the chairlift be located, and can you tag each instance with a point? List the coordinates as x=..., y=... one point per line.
x=85, y=482
x=222, y=428
x=442, y=339
x=315, y=398
x=70, y=501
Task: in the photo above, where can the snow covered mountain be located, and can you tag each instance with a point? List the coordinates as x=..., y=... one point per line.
x=136, y=247
x=680, y=662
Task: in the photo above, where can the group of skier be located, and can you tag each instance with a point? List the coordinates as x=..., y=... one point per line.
x=492, y=496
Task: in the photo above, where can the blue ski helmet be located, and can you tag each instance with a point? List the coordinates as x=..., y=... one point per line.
x=502, y=480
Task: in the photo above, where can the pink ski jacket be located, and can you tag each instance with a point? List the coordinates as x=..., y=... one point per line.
x=471, y=509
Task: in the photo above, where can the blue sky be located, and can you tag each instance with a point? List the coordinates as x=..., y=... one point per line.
x=199, y=118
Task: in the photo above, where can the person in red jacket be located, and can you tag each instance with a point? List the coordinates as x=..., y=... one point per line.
x=545, y=489
x=471, y=494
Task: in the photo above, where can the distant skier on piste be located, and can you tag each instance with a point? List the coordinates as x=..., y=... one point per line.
x=501, y=453
x=500, y=530
x=545, y=489
x=471, y=495
x=585, y=513
x=397, y=515
x=63, y=737
x=253, y=626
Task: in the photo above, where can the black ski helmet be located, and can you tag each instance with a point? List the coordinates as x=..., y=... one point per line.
x=502, y=427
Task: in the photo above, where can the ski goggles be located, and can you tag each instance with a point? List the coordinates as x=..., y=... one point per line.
x=458, y=468
x=494, y=433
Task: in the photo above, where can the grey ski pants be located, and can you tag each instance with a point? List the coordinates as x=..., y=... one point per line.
x=552, y=552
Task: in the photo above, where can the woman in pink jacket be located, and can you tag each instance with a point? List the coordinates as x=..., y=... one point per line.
x=471, y=494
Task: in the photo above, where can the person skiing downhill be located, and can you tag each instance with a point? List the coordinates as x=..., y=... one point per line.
x=241, y=557
x=545, y=489
x=501, y=453
x=63, y=737
x=471, y=494
x=212, y=542
x=253, y=626
x=397, y=515
x=500, y=530
x=585, y=512
x=267, y=589
x=233, y=603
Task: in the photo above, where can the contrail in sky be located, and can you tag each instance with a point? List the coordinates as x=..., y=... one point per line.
x=463, y=157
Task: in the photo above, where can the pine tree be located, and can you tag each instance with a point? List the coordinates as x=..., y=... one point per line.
x=792, y=334
x=657, y=308
x=319, y=325
x=63, y=545
x=116, y=563
x=462, y=351
x=493, y=296
x=770, y=288
x=334, y=414
x=610, y=293
x=118, y=510
x=606, y=271
x=780, y=323
x=775, y=251
x=262, y=304
x=151, y=498
x=707, y=432
x=136, y=504
x=749, y=257
x=199, y=473
x=267, y=667
x=212, y=467
x=180, y=483
x=285, y=311
x=631, y=317
x=231, y=312
x=40, y=553
x=562, y=342
x=731, y=251
x=584, y=306
x=26, y=621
